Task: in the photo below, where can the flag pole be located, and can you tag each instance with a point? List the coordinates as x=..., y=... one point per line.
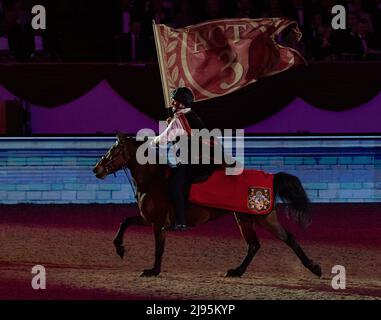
x=161, y=67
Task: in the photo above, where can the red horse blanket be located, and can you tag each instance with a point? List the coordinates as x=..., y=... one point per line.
x=250, y=192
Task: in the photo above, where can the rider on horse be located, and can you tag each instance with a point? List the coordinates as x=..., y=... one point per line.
x=184, y=173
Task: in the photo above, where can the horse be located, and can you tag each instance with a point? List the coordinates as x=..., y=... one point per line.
x=155, y=208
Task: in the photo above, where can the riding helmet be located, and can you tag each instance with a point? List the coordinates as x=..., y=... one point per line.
x=183, y=95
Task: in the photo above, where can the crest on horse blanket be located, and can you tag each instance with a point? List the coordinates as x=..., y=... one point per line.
x=251, y=192
x=258, y=199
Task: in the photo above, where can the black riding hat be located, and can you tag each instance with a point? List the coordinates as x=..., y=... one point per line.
x=183, y=95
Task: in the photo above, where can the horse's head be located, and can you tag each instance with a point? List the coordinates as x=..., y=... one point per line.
x=117, y=157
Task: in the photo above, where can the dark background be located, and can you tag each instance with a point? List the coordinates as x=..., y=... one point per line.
x=86, y=30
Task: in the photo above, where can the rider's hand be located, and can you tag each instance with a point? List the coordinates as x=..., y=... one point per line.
x=154, y=142
x=169, y=120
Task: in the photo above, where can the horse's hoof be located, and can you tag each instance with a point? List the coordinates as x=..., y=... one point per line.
x=316, y=270
x=120, y=251
x=150, y=273
x=233, y=273
x=119, y=247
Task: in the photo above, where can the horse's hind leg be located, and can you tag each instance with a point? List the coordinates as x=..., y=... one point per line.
x=118, y=239
x=246, y=226
x=271, y=223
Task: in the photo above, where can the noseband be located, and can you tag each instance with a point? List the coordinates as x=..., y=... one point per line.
x=110, y=158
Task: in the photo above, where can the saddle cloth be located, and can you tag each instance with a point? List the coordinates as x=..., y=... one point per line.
x=251, y=192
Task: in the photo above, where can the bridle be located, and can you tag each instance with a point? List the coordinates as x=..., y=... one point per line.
x=109, y=167
x=109, y=157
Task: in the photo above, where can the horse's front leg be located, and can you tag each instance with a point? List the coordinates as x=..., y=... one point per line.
x=118, y=239
x=159, y=250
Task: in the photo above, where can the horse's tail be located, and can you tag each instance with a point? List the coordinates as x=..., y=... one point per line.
x=290, y=191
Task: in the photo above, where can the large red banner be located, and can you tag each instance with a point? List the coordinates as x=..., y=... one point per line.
x=220, y=56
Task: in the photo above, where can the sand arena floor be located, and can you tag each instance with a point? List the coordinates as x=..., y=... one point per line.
x=74, y=244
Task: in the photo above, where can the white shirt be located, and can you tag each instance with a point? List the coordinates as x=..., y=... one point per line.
x=177, y=127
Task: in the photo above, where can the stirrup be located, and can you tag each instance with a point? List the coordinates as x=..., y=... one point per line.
x=182, y=227
x=175, y=227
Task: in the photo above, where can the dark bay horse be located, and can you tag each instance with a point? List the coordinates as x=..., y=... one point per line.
x=155, y=208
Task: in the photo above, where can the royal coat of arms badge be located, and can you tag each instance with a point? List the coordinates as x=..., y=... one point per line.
x=258, y=199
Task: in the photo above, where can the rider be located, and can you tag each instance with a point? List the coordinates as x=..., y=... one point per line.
x=181, y=177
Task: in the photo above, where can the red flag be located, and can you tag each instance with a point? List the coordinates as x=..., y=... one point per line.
x=220, y=56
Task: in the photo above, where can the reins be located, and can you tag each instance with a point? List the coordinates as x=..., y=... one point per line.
x=126, y=171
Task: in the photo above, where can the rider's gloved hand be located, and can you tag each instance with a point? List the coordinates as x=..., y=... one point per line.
x=154, y=142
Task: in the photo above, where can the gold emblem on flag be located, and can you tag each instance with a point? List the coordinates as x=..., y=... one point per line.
x=259, y=199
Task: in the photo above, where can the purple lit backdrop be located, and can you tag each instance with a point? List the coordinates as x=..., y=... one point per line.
x=103, y=110
x=301, y=116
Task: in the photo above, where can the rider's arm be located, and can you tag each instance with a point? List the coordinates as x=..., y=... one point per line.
x=174, y=129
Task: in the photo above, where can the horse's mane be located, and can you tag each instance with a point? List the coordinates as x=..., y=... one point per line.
x=130, y=139
x=160, y=169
